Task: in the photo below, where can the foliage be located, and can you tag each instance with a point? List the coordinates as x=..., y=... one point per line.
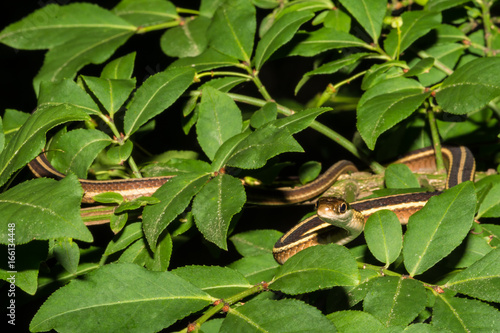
x=415, y=74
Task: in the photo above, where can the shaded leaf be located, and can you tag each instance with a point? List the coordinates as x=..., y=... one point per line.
x=256, y=268
x=400, y=176
x=127, y=236
x=255, y=242
x=66, y=91
x=264, y=115
x=210, y=59
x=215, y=205
x=67, y=254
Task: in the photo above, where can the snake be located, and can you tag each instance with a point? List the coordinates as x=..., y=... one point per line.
x=337, y=221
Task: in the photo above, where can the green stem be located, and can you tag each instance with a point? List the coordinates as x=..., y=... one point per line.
x=111, y=124
x=133, y=166
x=332, y=89
x=488, y=36
x=228, y=301
x=262, y=88
x=162, y=26
x=436, y=141
x=187, y=11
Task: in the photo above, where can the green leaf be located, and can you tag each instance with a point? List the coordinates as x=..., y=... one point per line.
x=448, y=54
x=138, y=253
x=36, y=215
x=438, y=228
x=255, y=242
x=323, y=40
x=68, y=92
x=415, y=25
x=395, y=301
x=120, y=297
x=215, y=205
x=369, y=14
x=256, y=268
x=317, y=267
x=309, y=171
x=112, y=93
x=421, y=67
x=384, y=236
x=219, y=119
x=109, y=198
x=146, y=12
x=480, y=280
x=218, y=282
x=175, y=196
x=25, y=264
x=464, y=315
x=186, y=40
x=121, y=68
x=255, y=149
x=176, y=166
x=490, y=205
x=299, y=120
x=233, y=28
x=355, y=321
x=380, y=73
x=264, y=115
x=163, y=252
x=473, y=248
x=400, y=176
x=440, y=5
x=156, y=94
x=279, y=34
x=64, y=61
x=12, y=122
x=120, y=153
x=124, y=238
x=67, y=254
x=338, y=20
x=208, y=60
x=379, y=110
x=285, y=315
x=76, y=150
x=476, y=79
x=30, y=139
x=54, y=25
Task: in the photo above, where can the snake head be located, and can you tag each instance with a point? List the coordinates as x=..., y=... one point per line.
x=335, y=211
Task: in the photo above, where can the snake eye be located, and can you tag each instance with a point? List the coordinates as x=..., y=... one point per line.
x=343, y=208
